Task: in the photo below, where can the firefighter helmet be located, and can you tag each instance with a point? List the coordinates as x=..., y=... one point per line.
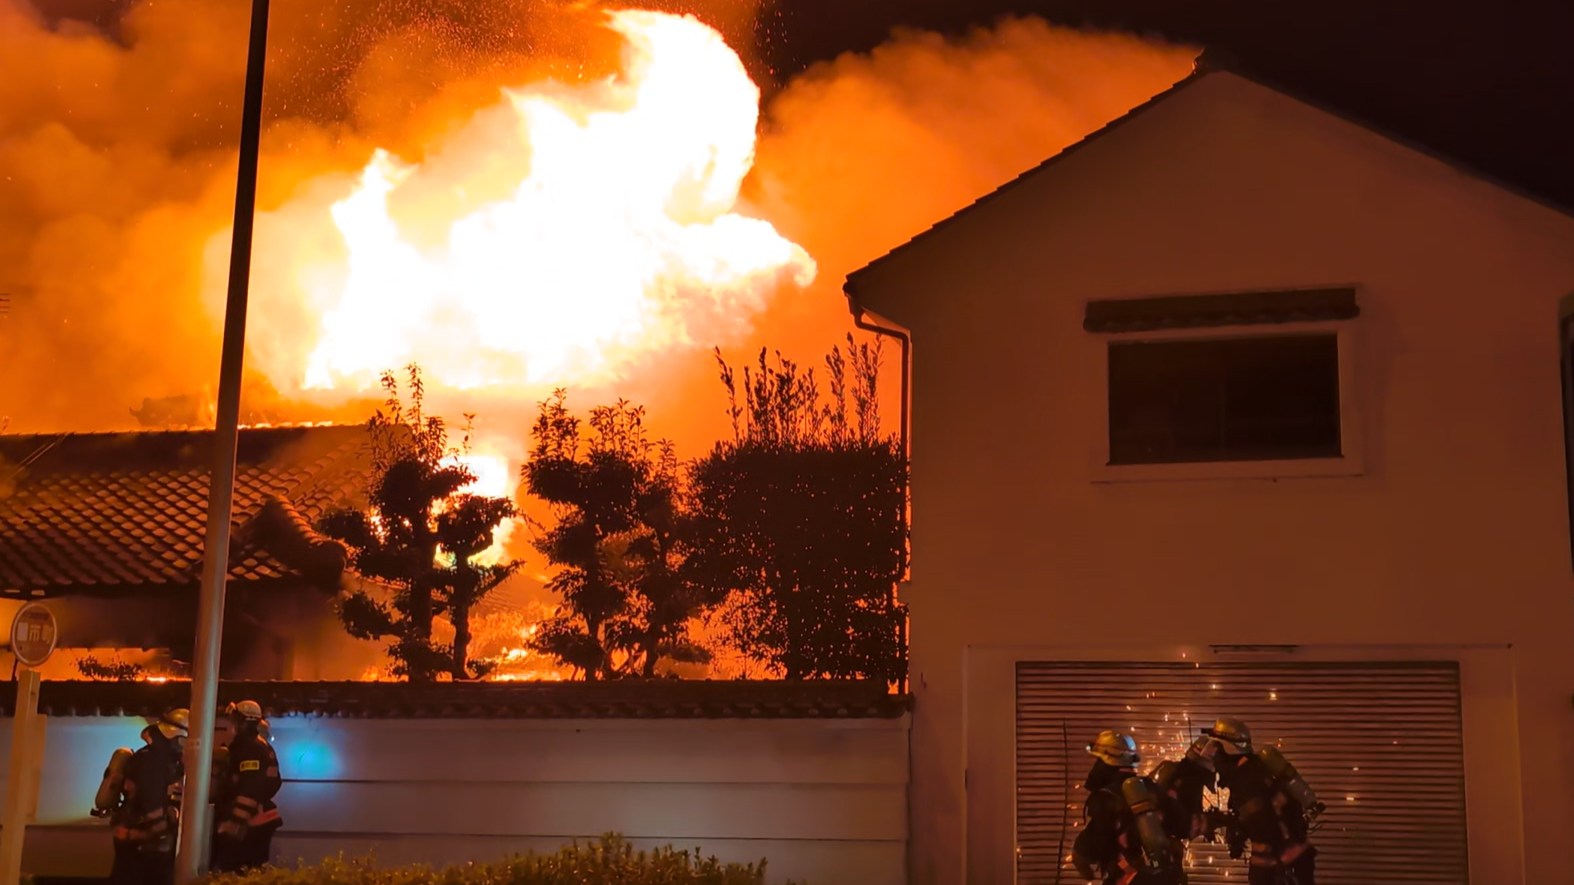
x=1232, y=736
x=244, y=711
x=1115, y=748
x=174, y=724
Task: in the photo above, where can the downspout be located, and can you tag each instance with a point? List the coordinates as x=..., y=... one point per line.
x=867, y=321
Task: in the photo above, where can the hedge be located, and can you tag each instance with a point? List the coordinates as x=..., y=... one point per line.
x=607, y=861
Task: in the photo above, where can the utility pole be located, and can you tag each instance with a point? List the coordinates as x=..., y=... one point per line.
x=196, y=814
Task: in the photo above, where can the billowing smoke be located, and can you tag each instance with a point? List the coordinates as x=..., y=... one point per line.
x=117, y=164
x=859, y=154
x=117, y=159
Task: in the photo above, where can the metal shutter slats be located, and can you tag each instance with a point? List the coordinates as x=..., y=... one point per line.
x=1380, y=743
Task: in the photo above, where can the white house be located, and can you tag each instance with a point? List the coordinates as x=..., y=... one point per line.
x=1241, y=407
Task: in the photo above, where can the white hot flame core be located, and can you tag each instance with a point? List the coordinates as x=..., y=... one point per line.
x=621, y=237
x=493, y=479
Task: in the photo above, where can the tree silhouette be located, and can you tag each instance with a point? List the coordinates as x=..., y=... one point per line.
x=618, y=543
x=803, y=515
x=420, y=538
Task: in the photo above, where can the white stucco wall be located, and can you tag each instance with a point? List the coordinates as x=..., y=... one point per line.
x=1452, y=540
x=824, y=801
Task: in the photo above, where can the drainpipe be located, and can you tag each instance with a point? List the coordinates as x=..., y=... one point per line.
x=870, y=322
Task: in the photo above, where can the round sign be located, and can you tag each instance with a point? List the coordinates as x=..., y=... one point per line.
x=33, y=635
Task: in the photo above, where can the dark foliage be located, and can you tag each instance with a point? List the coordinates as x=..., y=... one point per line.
x=618, y=543
x=114, y=669
x=420, y=539
x=606, y=861
x=803, y=515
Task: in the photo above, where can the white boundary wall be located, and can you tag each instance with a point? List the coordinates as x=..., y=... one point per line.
x=825, y=801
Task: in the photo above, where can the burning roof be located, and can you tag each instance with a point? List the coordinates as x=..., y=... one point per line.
x=125, y=513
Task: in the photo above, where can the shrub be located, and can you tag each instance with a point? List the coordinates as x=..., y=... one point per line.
x=607, y=861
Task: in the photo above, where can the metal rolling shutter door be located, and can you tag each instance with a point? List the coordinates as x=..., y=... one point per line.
x=1380, y=743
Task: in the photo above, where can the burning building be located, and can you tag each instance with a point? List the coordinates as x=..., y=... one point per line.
x=612, y=211
x=517, y=196
x=108, y=528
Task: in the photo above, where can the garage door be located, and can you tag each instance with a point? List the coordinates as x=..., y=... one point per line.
x=1380, y=744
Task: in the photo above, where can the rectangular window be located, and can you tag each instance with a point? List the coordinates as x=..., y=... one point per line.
x=1257, y=398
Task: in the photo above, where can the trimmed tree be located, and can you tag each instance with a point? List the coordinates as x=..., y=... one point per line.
x=617, y=543
x=420, y=538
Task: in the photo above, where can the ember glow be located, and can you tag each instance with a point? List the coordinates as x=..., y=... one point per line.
x=521, y=663
x=502, y=641
x=615, y=233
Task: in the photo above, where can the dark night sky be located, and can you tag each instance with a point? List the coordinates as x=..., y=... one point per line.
x=1490, y=82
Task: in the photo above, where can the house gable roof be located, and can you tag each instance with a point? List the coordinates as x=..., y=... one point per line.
x=125, y=513
x=1209, y=63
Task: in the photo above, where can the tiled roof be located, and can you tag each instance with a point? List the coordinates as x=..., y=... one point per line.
x=661, y=699
x=116, y=513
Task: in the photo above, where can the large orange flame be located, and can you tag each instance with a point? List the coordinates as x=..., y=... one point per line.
x=614, y=234
x=551, y=240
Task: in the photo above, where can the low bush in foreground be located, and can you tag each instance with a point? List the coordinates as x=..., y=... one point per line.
x=608, y=861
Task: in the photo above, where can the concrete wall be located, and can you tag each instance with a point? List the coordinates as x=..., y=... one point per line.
x=1448, y=537
x=824, y=801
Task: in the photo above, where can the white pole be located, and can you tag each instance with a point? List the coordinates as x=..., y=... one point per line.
x=196, y=816
x=24, y=736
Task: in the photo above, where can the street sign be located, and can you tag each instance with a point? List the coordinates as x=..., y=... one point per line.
x=33, y=635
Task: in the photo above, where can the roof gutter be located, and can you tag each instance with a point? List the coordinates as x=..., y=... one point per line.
x=873, y=322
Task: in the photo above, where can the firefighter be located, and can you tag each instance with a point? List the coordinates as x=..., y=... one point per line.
x=1124, y=836
x=246, y=814
x=1271, y=807
x=138, y=796
x=1186, y=781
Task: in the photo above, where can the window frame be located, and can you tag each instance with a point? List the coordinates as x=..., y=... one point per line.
x=1351, y=436
x=1566, y=372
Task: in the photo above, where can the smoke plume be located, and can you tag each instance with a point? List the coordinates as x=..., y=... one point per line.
x=117, y=158
x=860, y=154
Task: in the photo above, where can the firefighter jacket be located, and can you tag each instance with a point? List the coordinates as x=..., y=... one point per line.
x=251, y=780
x=1123, y=834
x=1263, y=813
x=147, y=813
x=1185, y=781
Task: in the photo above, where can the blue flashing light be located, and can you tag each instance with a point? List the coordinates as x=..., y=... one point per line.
x=306, y=753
